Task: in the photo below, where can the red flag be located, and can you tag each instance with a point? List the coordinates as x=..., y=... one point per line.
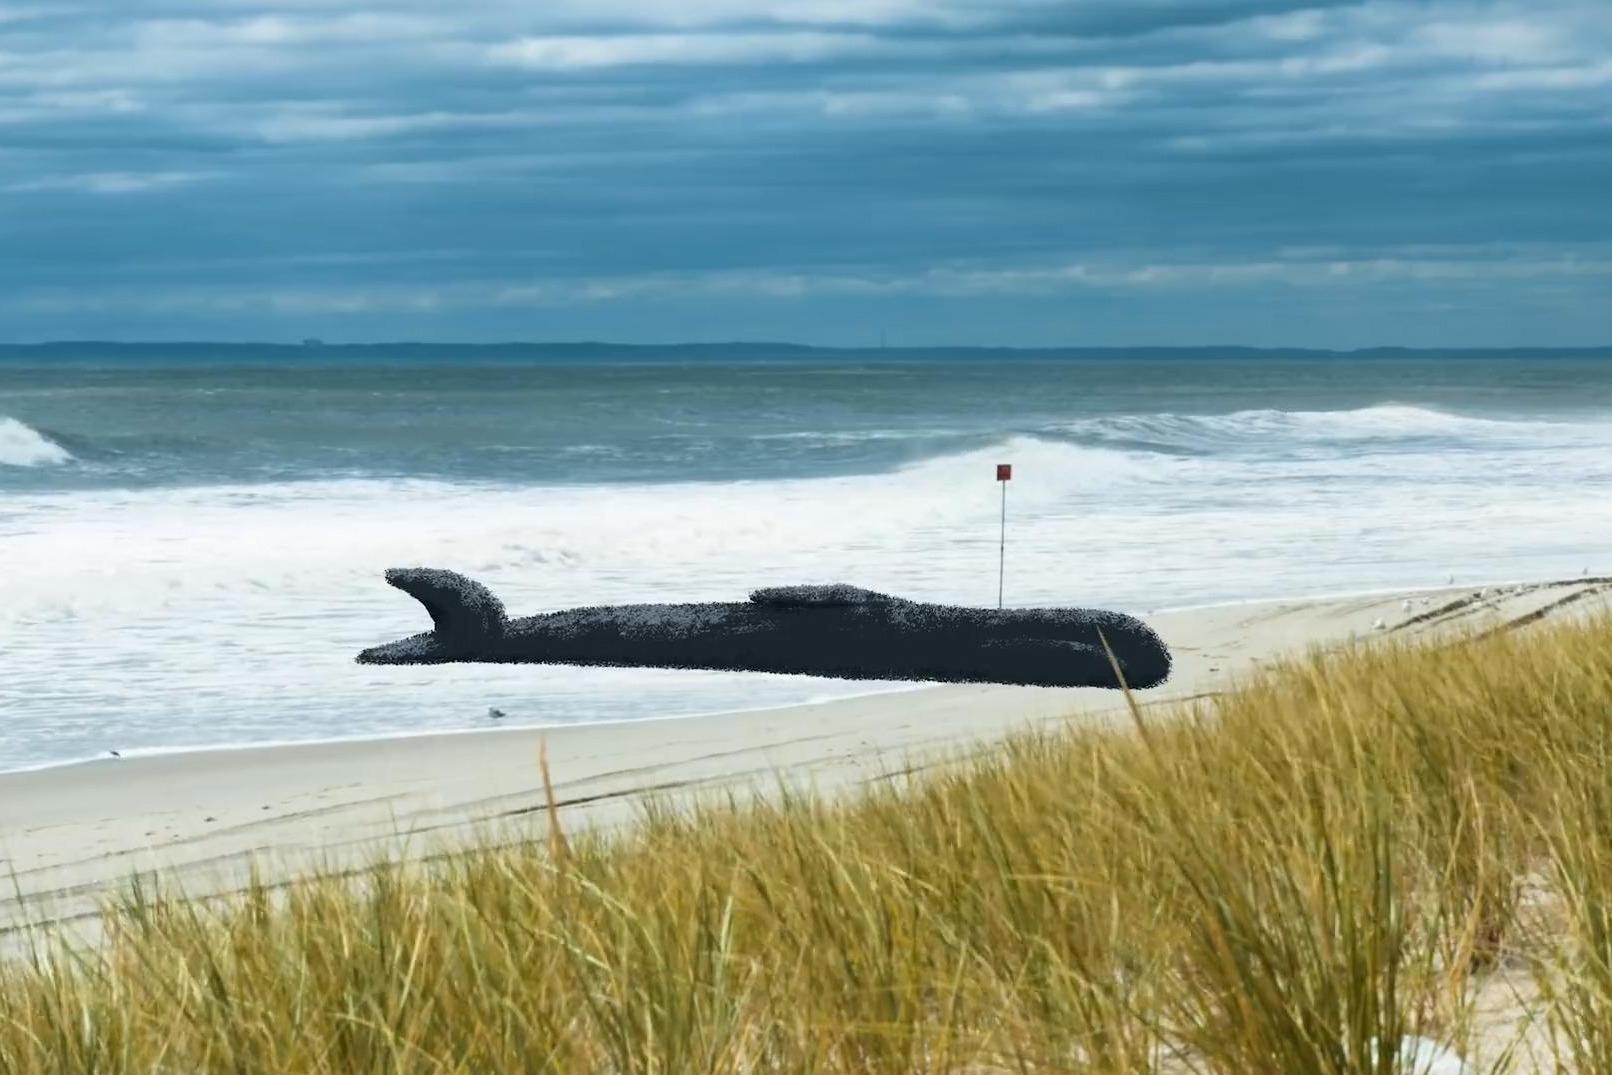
x=1004, y=471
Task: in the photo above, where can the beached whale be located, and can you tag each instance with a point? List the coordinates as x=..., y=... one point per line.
x=836, y=631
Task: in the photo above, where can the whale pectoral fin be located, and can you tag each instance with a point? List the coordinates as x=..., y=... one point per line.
x=463, y=611
x=838, y=593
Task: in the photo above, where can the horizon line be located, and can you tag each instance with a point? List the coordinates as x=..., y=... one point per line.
x=314, y=344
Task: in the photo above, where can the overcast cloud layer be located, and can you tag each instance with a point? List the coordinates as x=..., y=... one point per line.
x=1420, y=172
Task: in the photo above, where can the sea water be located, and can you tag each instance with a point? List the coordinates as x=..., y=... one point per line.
x=192, y=554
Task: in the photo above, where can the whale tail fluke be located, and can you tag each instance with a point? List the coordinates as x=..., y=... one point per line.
x=465, y=613
x=460, y=607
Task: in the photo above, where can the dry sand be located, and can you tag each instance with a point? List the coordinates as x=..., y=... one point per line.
x=70, y=835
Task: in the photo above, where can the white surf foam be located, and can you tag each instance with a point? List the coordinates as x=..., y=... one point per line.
x=1267, y=428
x=23, y=446
x=180, y=617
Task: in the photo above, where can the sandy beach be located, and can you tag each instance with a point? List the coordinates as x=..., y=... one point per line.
x=70, y=835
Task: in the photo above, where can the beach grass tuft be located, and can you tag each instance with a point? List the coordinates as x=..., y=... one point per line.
x=1343, y=851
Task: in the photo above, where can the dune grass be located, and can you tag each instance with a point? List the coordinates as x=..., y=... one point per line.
x=1337, y=853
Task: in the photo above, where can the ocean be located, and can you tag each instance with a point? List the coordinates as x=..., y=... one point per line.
x=192, y=555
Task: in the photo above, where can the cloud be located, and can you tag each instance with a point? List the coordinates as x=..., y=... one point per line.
x=1581, y=76
x=320, y=124
x=282, y=30
x=109, y=182
x=634, y=154
x=568, y=53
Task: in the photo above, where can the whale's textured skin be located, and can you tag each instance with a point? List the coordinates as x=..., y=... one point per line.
x=835, y=631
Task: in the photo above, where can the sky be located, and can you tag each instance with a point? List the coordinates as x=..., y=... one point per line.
x=837, y=172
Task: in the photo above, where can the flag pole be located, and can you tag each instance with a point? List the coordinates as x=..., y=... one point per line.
x=1004, y=472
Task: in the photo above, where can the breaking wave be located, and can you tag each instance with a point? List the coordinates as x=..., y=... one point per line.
x=24, y=446
x=1250, y=428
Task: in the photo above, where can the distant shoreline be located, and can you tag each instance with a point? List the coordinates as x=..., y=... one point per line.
x=205, y=352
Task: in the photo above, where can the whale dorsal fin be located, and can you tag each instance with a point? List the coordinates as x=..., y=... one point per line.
x=462, y=610
x=837, y=593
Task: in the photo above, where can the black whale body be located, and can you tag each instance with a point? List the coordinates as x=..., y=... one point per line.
x=836, y=631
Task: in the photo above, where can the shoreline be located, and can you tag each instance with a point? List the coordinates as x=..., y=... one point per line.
x=136, y=753
x=72, y=834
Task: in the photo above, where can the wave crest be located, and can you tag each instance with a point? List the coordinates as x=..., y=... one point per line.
x=1389, y=421
x=24, y=446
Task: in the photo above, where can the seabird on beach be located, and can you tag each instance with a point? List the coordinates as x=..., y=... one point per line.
x=1378, y=624
x=1406, y=606
x=494, y=712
